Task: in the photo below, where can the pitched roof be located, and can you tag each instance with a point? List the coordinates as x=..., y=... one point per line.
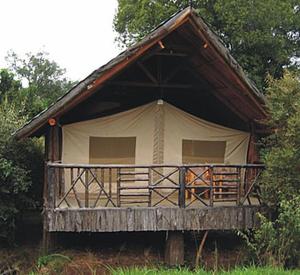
x=99, y=77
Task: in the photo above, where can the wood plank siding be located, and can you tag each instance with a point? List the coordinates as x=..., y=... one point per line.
x=152, y=219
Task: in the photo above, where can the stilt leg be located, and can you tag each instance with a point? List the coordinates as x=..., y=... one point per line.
x=200, y=249
x=49, y=238
x=174, y=248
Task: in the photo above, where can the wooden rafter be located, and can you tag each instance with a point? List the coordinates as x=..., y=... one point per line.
x=94, y=82
x=172, y=54
x=173, y=72
x=153, y=85
x=147, y=72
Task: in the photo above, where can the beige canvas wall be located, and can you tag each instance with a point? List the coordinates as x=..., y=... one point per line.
x=180, y=126
x=155, y=127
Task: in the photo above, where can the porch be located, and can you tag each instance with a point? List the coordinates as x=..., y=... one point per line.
x=110, y=198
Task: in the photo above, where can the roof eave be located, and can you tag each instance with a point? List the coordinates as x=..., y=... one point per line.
x=95, y=80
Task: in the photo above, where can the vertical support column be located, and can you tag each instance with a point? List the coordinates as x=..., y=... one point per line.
x=51, y=178
x=86, y=188
x=118, y=187
x=174, y=248
x=52, y=153
x=181, y=196
x=211, y=187
x=239, y=187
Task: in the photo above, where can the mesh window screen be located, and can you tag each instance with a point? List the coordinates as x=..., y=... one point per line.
x=203, y=151
x=112, y=150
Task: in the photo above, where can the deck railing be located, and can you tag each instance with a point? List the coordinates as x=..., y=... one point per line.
x=96, y=186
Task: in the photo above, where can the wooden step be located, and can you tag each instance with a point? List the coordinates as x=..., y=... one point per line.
x=225, y=193
x=226, y=186
x=225, y=173
x=133, y=188
x=133, y=173
x=225, y=200
x=134, y=195
x=227, y=180
x=133, y=202
x=131, y=180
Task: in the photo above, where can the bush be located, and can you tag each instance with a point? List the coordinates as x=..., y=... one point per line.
x=277, y=241
x=20, y=166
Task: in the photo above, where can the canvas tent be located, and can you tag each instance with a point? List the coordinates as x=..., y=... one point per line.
x=154, y=133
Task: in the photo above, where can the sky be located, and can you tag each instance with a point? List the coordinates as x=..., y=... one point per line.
x=78, y=34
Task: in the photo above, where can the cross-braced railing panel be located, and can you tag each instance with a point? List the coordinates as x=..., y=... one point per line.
x=96, y=186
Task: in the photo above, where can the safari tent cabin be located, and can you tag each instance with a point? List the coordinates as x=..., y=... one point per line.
x=161, y=138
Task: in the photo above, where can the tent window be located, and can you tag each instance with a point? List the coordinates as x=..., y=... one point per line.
x=112, y=150
x=203, y=151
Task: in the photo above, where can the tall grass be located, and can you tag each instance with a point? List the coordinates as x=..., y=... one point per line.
x=183, y=271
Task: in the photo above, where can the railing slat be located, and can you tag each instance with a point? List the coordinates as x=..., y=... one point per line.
x=195, y=185
x=181, y=196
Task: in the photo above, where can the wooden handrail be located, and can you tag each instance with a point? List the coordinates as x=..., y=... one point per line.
x=68, y=165
x=104, y=185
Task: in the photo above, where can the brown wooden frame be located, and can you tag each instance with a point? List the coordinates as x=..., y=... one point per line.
x=223, y=183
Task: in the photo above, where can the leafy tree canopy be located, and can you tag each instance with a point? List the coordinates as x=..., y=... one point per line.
x=8, y=84
x=27, y=86
x=43, y=81
x=262, y=35
x=281, y=152
x=277, y=241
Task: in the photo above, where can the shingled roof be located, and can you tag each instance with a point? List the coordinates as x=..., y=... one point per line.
x=99, y=77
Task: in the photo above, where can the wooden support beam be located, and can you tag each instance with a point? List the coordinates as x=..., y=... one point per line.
x=174, y=248
x=200, y=249
x=215, y=92
x=147, y=72
x=153, y=85
x=172, y=54
x=173, y=72
x=53, y=149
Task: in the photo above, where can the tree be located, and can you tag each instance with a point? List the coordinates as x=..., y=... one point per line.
x=262, y=35
x=277, y=241
x=21, y=172
x=43, y=81
x=8, y=84
x=28, y=86
x=281, y=152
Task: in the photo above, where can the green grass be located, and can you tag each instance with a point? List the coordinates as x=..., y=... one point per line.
x=237, y=271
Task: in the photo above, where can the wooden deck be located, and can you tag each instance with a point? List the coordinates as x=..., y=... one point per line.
x=151, y=219
x=194, y=203
x=113, y=198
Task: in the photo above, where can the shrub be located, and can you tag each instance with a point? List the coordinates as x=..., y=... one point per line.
x=20, y=166
x=277, y=241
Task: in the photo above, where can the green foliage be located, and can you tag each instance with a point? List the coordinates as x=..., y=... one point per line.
x=53, y=262
x=184, y=271
x=277, y=241
x=8, y=84
x=262, y=35
x=13, y=180
x=281, y=153
x=43, y=81
x=27, y=87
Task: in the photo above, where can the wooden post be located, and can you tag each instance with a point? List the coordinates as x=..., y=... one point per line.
x=211, y=197
x=200, y=249
x=118, y=187
x=181, y=196
x=51, y=179
x=86, y=185
x=174, y=248
x=52, y=153
x=239, y=187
